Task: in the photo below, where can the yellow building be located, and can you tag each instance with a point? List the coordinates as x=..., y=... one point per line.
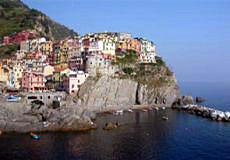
x=61, y=66
x=48, y=70
x=17, y=75
x=4, y=73
x=47, y=47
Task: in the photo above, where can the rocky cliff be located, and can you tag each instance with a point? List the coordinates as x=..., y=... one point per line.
x=146, y=84
x=23, y=117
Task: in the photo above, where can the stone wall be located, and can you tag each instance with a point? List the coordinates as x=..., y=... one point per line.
x=46, y=97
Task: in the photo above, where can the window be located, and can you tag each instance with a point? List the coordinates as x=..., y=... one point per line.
x=48, y=97
x=32, y=97
x=72, y=85
x=78, y=81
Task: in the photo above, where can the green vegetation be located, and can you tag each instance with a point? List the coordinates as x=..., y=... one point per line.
x=16, y=17
x=128, y=70
x=152, y=74
x=7, y=51
x=126, y=58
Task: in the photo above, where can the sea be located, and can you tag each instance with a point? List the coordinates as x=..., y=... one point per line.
x=142, y=135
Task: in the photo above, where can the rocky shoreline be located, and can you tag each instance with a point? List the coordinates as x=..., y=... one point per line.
x=73, y=118
x=188, y=104
x=20, y=117
x=205, y=112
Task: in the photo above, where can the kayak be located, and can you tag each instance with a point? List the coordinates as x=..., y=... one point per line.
x=34, y=136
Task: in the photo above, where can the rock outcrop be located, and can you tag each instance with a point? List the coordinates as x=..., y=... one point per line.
x=109, y=93
x=18, y=117
x=144, y=84
x=204, y=112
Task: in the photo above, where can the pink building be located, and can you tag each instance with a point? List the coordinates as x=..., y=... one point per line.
x=73, y=81
x=33, y=81
x=75, y=63
x=17, y=37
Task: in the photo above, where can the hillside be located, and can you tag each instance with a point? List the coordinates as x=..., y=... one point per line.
x=15, y=16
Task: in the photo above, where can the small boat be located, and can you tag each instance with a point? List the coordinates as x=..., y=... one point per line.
x=130, y=110
x=119, y=112
x=12, y=98
x=165, y=118
x=34, y=136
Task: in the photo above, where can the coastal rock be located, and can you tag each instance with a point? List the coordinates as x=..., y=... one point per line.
x=182, y=102
x=26, y=118
x=109, y=93
x=187, y=100
x=199, y=99
x=205, y=112
x=110, y=125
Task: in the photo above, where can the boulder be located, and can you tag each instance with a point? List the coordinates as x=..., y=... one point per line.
x=187, y=100
x=199, y=99
x=91, y=115
x=110, y=125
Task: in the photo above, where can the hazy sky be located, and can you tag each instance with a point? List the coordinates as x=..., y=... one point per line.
x=193, y=36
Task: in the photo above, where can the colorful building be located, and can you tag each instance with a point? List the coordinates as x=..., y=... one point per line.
x=17, y=75
x=48, y=70
x=148, y=51
x=17, y=37
x=33, y=81
x=4, y=73
x=73, y=81
x=46, y=47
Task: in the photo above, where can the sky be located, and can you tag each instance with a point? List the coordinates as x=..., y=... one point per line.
x=192, y=36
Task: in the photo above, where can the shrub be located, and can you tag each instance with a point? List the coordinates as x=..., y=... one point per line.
x=159, y=61
x=128, y=70
x=6, y=51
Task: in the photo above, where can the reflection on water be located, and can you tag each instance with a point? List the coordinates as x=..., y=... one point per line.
x=142, y=136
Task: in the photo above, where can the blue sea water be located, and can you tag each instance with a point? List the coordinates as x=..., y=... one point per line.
x=142, y=136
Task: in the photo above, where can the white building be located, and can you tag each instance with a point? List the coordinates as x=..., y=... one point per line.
x=99, y=64
x=148, y=51
x=73, y=81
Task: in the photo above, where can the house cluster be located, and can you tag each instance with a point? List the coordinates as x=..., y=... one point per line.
x=41, y=64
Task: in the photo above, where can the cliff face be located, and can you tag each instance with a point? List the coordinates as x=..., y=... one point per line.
x=104, y=93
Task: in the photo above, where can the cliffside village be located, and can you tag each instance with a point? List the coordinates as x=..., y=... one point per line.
x=42, y=65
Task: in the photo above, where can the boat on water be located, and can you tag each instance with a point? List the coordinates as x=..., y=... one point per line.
x=12, y=98
x=130, y=110
x=34, y=136
x=165, y=118
x=119, y=112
